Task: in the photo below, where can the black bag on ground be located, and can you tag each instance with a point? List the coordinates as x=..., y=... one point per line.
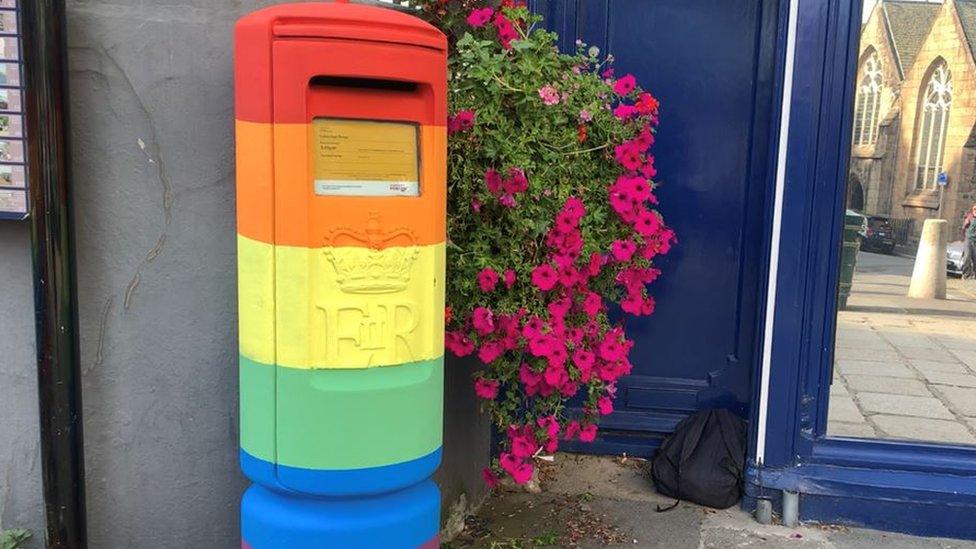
x=703, y=460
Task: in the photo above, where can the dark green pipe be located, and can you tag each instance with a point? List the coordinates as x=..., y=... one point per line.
x=52, y=250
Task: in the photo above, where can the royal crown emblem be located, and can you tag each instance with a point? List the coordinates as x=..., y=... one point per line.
x=374, y=260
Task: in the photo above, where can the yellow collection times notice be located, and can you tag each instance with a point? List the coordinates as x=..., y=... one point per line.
x=365, y=158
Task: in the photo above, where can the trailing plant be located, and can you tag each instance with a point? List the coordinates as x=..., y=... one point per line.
x=14, y=538
x=552, y=227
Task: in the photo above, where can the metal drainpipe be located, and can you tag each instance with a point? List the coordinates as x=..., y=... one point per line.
x=52, y=251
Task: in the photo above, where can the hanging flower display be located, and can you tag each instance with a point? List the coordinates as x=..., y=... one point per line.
x=552, y=224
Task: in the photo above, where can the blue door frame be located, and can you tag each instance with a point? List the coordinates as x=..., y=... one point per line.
x=900, y=486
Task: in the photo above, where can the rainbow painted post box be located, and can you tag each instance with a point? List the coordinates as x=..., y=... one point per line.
x=341, y=174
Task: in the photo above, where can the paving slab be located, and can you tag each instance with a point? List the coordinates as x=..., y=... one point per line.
x=844, y=409
x=903, y=405
x=892, y=368
x=853, y=430
x=961, y=342
x=724, y=530
x=925, y=429
x=921, y=353
x=946, y=378
x=925, y=366
x=885, y=384
x=968, y=357
x=961, y=399
x=640, y=525
x=913, y=339
x=837, y=388
x=882, y=355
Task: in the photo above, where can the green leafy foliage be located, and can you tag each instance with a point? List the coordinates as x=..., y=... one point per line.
x=14, y=538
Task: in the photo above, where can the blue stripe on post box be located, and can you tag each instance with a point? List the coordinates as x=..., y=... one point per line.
x=407, y=519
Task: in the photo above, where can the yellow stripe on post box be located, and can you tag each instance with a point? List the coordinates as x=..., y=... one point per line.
x=256, y=299
x=355, y=307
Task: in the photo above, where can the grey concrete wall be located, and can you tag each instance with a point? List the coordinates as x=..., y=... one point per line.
x=153, y=154
x=20, y=481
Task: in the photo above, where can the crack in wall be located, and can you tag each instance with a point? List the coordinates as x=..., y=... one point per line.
x=154, y=156
x=100, y=345
x=131, y=288
x=151, y=149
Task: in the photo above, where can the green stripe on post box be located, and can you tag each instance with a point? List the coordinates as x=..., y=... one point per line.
x=336, y=419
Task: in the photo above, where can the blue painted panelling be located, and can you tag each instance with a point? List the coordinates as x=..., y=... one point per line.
x=707, y=63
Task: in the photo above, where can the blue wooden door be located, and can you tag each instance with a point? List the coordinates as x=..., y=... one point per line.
x=711, y=65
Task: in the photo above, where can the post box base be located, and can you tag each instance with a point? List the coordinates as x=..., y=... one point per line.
x=407, y=519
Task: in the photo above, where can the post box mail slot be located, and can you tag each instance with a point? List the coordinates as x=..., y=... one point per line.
x=341, y=178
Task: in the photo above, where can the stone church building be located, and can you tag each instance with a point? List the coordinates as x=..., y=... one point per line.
x=915, y=115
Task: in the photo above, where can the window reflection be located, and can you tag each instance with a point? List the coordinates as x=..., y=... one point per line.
x=905, y=367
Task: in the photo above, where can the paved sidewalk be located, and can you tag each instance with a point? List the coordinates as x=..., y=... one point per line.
x=592, y=501
x=904, y=368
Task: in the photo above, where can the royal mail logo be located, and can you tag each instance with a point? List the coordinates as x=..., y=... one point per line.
x=374, y=260
x=363, y=335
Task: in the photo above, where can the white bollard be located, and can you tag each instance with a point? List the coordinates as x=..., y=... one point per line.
x=929, y=275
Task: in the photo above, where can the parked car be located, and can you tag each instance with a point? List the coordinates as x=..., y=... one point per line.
x=879, y=236
x=954, y=253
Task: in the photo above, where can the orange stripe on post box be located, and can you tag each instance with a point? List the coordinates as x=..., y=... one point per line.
x=255, y=181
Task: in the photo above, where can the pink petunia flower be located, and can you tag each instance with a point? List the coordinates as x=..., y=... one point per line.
x=544, y=277
x=611, y=348
x=625, y=84
x=529, y=376
x=490, y=351
x=575, y=208
x=486, y=388
x=604, y=405
x=541, y=345
x=588, y=433
x=624, y=112
x=647, y=223
x=493, y=181
x=516, y=182
x=487, y=279
x=458, y=343
x=506, y=30
x=584, y=360
x=483, y=320
x=479, y=18
x=524, y=444
x=623, y=250
x=628, y=155
x=645, y=138
x=489, y=477
x=534, y=327
x=555, y=375
x=509, y=277
x=462, y=121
